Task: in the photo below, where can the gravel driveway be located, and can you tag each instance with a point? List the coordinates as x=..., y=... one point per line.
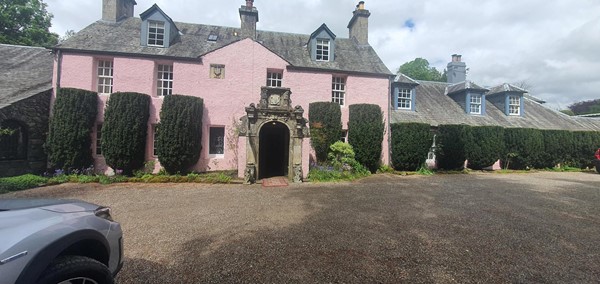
x=523, y=228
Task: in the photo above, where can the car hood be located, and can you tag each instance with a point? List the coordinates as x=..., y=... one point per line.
x=56, y=205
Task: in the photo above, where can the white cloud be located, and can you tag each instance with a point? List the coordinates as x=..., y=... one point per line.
x=552, y=45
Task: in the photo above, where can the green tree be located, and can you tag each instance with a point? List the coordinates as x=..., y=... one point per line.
x=419, y=69
x=325, y=127
x=180, y=132
x=26, y=22
x=69, y=142
x=124, y=131
x=365, y=134
x=585, y=107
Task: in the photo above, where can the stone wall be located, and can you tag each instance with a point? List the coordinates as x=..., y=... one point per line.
x=34, y=113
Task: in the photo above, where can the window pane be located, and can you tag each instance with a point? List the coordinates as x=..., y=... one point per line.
x=217, y=140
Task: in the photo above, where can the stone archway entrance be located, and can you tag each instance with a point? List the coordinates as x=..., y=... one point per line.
x=274, y=150
x=274, y=132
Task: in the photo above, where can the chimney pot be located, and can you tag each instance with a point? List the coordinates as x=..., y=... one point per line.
x=249, y=3
x=361, y=5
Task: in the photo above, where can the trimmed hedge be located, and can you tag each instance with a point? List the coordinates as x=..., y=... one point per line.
x=524, y=148
x=410, y=144
x=585, y=144
x=69, y=142
x=485, y=146
x=124, y=131
x=451, y=142
x=365, y=134
x=558, y=149
x=325, y=127
x=180, y=133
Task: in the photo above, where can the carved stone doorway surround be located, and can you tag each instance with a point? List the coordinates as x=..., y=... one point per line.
x=275, y=106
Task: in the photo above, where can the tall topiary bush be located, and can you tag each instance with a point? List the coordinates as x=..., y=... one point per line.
x=124, y=131
x=69, y=142
x=524, y=148
x=451, y=142
x=485, y=146
x=410, y=144
x=325, y=127
x=180, y=132
x=365, y=134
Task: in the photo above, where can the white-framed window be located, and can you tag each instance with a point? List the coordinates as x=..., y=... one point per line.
x=105, y=77
x=323, y=49
x=338, y=90
x=217, y=71
x=344, y=136
x=274, y=78
x=154, y=139
x=404, y=100
x=217, y=141
x=514, y=105
x=165, y=80
x=475, y=104
x=99, y=139
x=156, y=33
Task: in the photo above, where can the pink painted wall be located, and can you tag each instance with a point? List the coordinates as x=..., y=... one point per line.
x=246, y=63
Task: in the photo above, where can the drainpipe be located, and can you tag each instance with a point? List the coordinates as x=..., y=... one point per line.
x=58, y=68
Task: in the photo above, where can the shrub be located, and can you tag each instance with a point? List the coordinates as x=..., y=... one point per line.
x=21, y=182
x=558, y=148
x=526, y=146
x=451, y=153
x=410, y=144
x=69, y=142
x=325, y=127
x=485, y=146
x=180, y=133
x=124, y=131
x=585, y=145
x=365, y=134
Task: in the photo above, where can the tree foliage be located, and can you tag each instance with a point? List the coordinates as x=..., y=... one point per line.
x=365, y=134
x=26, y=22
x=124, y=131
x=325, y=127
x=69, y=142
x=180, y=132
x=419, y=69
x=410, y=144
x=585, y=107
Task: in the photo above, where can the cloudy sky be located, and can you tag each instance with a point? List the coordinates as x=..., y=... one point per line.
x=551, y=46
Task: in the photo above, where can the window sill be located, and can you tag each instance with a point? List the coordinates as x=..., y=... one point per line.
x=216, y=156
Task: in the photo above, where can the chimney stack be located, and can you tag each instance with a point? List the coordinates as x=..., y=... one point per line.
x=456, y=70
x=249, y=18
x=117, y=10
x=359, y=24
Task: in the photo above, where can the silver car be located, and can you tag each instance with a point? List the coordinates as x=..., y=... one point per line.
x=58, y=241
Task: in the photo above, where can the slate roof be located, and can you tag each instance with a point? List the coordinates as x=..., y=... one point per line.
x=463, y=86
x=124, y=38
x=26, y=71
x=433, y=107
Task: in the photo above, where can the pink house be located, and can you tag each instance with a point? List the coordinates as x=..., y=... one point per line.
x=256, y=85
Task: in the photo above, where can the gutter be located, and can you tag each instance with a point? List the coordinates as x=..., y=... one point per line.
x=379, y=75
x=137, y=55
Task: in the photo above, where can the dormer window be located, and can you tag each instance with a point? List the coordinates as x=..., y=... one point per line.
x=323, y=50
x=157, y=29
x=475, y=104
x=404, y=99
x=322, y=45
x=514, y=105
x=156, y=33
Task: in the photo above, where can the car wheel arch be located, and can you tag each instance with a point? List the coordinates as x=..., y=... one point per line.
x=71, y=244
